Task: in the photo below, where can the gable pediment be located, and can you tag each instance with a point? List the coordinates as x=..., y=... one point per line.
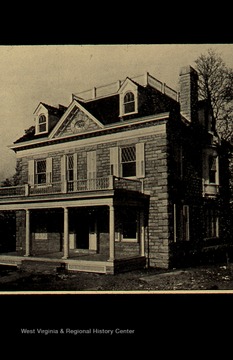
x=40, y=109
x=74, y=121
x=127, y=85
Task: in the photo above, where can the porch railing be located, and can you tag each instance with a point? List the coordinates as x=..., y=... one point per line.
x=98, y=184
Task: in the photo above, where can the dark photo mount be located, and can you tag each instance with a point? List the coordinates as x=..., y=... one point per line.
x=168, y=319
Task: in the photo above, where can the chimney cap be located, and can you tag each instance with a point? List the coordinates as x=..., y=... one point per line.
x=187, y=70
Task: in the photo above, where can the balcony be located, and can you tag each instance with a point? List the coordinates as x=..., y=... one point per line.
x=210, y=190
x=68, y=187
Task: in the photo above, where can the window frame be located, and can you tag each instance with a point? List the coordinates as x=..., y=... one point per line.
x=129, y=102
x=211, y=223
x=212, y=169
x=181, y=222
x=40, y=173
x=128, y=162
x=70, y=170
x=39, y=124
x=124, y=222
x=129, y=88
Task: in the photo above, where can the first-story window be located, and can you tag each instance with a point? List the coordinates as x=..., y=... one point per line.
x=130, y=225
x=40, y=171
x=181, y=223
x=211, y=223
x=128, y=161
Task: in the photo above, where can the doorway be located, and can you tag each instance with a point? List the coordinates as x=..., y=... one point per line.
x=82, y=231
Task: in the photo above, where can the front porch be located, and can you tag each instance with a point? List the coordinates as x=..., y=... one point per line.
x=102, y=235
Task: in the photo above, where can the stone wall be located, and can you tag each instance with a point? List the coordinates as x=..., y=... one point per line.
x=156, y=184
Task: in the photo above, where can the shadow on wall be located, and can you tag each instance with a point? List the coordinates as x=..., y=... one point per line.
x=7, y=231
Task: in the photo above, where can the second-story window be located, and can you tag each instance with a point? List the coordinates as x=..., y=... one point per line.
x=212, y=169
x=129, y=103
x=40, y=172
x=128, y=161
x=70, y=167
x=42, y=124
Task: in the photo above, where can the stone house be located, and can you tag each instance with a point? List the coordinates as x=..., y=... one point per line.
x=130, y=174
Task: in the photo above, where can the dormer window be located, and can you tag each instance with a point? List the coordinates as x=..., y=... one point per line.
x=41, y=124
x=128, y=98
x=129, y=103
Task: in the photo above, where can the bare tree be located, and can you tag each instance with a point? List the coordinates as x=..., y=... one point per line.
x=216, y=85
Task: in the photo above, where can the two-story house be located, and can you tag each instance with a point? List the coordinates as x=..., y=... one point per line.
x=126, y=176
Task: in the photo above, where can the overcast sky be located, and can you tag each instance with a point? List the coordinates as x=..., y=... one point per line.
x=30, y=74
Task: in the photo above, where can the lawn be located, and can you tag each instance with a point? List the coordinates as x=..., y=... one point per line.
x=211, y=278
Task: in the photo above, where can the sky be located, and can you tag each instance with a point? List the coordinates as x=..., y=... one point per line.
x=51, y=73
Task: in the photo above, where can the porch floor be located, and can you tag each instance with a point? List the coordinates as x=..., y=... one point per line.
x=77, y=261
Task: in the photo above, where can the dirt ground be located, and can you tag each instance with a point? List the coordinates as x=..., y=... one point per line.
x=212, y=277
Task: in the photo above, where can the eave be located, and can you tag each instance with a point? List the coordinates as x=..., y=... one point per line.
x=107, y=128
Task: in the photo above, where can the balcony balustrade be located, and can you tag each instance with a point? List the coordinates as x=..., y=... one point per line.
x=77, y=186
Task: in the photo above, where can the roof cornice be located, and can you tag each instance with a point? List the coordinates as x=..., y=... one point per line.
x=111, y=127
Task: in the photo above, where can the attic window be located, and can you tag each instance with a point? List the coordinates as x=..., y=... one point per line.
x=129, y=103
x=41, y=124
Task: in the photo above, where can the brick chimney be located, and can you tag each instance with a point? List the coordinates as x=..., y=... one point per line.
x=189, y=93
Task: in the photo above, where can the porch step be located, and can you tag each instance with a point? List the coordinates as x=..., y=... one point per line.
x=45, y=267
x=10, y=261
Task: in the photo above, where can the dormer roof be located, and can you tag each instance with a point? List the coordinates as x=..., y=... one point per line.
x=52, y=110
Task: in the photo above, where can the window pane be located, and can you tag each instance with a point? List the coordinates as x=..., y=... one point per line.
x=128, y=97
x=130, y=230
x=41, y=166
x=211, y=223
x=70, y=162
x=130, y=224
x=70, y=175
x=129, y=103
x=41, y=178
x=129, y=169
x=128, y=160
x=212, y=169
x=42, y=127
x=212, y=176
x=128, y=154
x=42, y=119
x=41, y=172
x=129, y=107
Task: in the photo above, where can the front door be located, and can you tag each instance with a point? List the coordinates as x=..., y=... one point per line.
x=82, y=232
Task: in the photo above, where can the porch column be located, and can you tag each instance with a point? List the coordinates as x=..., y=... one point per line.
x=142, y=234
x=111, y=233
x=66, y=234
x=27, y=235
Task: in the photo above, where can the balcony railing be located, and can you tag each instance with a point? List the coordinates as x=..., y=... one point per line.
x=98, y=184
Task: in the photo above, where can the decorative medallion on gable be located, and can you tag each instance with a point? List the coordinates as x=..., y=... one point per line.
x=77, y=121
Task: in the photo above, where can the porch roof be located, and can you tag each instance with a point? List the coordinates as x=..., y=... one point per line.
x=99, y=191
x=101, y=198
